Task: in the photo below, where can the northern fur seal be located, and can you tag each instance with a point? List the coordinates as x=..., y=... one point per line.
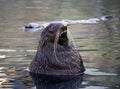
x=55, y=54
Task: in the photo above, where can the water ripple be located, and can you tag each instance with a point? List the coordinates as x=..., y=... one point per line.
x=94, y=71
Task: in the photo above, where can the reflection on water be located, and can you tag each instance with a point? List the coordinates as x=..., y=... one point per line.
x=99, y=44
x=57, y=82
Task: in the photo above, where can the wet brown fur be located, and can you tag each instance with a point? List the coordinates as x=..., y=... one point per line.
x=56, y=55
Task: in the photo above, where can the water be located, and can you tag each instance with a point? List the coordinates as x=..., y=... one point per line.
x=99, y=44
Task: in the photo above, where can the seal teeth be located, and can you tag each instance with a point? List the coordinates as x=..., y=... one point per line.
x=63, y=32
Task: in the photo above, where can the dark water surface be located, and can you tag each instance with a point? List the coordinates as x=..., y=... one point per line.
x=99, y=44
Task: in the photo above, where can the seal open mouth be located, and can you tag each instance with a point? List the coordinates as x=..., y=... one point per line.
x=63, y=39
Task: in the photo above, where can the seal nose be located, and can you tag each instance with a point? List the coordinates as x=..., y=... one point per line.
x=64, y=28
